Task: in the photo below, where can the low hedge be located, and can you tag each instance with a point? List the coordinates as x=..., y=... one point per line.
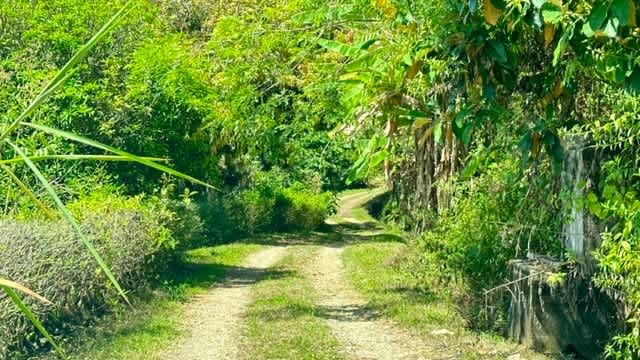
x=284, y=209
x=269, y=202
x=49, y=258
x=138, y=237
x=300, y=209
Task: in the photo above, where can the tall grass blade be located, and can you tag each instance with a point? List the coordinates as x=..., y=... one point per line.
x=78, y=157
x=98, y=145
x=33, y=319
x=25, y=188
x=70, y=219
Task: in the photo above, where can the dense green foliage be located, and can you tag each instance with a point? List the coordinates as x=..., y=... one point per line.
x=272, y=203
x=457, y=93
x=466, y=107
x=167, y=81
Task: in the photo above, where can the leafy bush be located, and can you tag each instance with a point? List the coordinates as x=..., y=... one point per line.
x=250, y=211
x=489, y=223
x=271, y=203
x=300, y=209
x=51, y=260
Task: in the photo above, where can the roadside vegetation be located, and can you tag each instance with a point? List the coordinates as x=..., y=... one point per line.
x=385, y=273
x=144, y=145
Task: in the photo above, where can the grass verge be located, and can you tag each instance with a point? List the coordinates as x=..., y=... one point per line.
x=378, y=270
x=281, y=323
x=153, y=323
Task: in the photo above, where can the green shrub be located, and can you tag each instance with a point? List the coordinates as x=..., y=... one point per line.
x=490, y=222
x=300, y=209
x=270, y=203
x=181, y=217
x=47, y=257
x=250, y=211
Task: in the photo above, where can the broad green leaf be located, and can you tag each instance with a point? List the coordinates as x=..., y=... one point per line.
x=632, y=83
x=131, y=157
x=587, y=30
x=525, y=147
x=498, y=51
x=611, y=29
x=366, y=44
x=554, y=149
x=460, y=127
x=466, y=133
x=461, y=116
x=66, y=215
x=343, y=49
x=562, y=44
x=620, y=10
x=437, y=132
x=378, y=158
x=33, y=319
x=551, y=13
x=472, y=166
x=598, y=15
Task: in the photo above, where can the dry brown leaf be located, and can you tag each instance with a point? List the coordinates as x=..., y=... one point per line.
x=491, y=13
x=549, y=33
x=413, y=70
x=23, y=289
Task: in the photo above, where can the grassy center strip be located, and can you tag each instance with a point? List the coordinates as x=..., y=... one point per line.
x=283, y=322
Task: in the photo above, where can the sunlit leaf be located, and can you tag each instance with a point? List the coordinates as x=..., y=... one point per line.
x=551, y=13
x=343, y=49
x=563, y=43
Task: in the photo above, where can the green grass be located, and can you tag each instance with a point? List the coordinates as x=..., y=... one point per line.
x=281, y=323
x=379, y=271
x=152, y=325
x=375, y=271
